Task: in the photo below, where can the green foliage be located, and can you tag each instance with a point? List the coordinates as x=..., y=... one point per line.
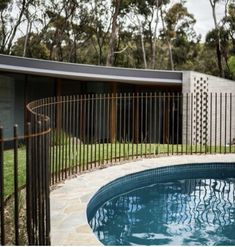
x=3, y=4
x=36, y=47
x=231, y=63
x=80, y=31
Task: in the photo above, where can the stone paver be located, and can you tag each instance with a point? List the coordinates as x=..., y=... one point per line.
x=69, y=201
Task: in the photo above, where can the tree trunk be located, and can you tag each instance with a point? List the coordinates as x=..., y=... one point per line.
x=155, y=36
x=110, y=56
x=28, y=30
x=172, y=66
x=218, y=41
x=18, y=22
x=171, y=60
x=142, y=44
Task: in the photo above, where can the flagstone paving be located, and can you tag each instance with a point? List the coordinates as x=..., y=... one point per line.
x=69, y=200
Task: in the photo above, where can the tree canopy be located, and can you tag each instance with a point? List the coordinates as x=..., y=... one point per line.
x=156, y=34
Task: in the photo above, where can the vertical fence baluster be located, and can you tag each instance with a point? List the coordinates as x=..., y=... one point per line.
x=192, y=124
x=164, y=120
x=146, y=125
x=137, y=125
x=43, y=180
x=134, y=123
x=225, y=124
x=92, y=129
x=73, y=133
x=16, y=195
x=187, y=121
x=62, y=138
x=88, y=131
x=160, y=122
x=230, y=125
x=116, y=126
x=40, y=190
x=181, y=121
x=120, y=126
x=103, y=127
x=216, y=122
x=150, y=124
x=211, y=121
x=70, y=136
x=168, y=123
x=201, y=123
x=47, y=185
x=141, y=125
x=28, y=183
x=96, y=127
x=177, y=122
x=84, y=131
x=81, y=133
x=77, y=133
x=99, y=129
x=112, y=124
x=108, y=142
x=55, y=143
x=155, y=123
x=129, y=126
x=2, y=187
x=220, y=123
x=172, y=123
x=196, y=119
x=124, y=126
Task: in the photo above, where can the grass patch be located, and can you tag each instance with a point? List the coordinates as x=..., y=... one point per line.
x=68, y=156
x=9, y=170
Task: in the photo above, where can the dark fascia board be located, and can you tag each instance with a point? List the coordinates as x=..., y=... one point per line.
x=88, y=72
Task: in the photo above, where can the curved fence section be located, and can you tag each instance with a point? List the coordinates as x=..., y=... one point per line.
x=73, y=134
x=90, y=131
x=24, y=184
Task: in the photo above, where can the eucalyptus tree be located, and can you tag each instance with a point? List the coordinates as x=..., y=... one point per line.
x=10, y=23
x=119, y=9
x=65, y=28
x=150, y=13
x=214, y=4
x=229, y=22
x=100, y=27
x=176, y=21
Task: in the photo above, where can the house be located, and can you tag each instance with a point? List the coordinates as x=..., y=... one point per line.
x=23, y=80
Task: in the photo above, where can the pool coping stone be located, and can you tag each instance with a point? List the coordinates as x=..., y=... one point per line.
x=69, y=199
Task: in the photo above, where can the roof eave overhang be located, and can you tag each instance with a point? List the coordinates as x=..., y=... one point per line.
x=88, y=76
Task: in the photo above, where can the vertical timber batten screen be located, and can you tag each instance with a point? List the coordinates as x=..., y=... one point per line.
x=68, y=135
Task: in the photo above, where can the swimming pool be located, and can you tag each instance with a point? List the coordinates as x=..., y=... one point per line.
x=177, y=205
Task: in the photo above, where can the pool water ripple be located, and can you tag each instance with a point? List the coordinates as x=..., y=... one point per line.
x=191, y=211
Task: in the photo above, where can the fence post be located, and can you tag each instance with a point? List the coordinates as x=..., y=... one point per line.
x=16, y=198
x=2, y=187
x=28, y=184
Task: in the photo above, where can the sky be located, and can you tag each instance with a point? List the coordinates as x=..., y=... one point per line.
x=203, y=14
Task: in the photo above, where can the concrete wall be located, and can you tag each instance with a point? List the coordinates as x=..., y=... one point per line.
x=209, y=117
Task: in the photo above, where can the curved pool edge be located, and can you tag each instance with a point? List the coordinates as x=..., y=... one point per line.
x=70, y=200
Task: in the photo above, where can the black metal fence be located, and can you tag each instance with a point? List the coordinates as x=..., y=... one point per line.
x=90, y=131
x=71, y=134
x=24, y=185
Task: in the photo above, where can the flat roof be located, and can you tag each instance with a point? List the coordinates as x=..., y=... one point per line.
x=88, y=72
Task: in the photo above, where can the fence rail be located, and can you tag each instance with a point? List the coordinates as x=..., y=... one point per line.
x=72, y=134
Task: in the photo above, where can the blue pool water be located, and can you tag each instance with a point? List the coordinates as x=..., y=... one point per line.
x=179, y=208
